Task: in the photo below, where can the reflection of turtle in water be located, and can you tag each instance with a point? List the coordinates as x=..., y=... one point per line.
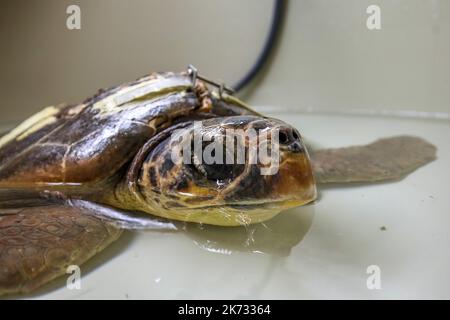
x=72, y=177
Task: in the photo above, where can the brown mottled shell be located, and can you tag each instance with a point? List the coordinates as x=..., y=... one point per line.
x=91, y=141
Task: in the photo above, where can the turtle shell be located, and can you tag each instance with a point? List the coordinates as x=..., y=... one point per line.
x=91, y=141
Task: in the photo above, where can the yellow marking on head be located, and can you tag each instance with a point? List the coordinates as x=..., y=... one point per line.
x=32, y=124
x=194, y=190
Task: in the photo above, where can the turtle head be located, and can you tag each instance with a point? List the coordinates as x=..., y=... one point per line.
x=227, y=171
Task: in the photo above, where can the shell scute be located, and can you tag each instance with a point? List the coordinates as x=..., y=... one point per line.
x=89, y=142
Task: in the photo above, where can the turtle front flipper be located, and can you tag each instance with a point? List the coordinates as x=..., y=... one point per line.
x=37, y=244
x=384, y=159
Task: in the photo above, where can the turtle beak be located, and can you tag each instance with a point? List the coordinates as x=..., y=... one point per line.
x=295, y=181
x=283, y=180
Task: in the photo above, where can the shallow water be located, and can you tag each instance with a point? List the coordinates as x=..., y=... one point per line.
x=318, y=251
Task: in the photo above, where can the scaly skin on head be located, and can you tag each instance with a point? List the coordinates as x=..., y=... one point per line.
x=219, y=194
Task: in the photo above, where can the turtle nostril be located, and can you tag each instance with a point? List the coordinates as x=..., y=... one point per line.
x=288, y=136
x=291, y=138
x=283, y=137
x=295, y=147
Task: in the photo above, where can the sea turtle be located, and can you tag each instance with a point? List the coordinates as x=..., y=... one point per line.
x=72, y=177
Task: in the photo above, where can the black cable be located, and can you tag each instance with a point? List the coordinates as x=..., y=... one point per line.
x=277, y=20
